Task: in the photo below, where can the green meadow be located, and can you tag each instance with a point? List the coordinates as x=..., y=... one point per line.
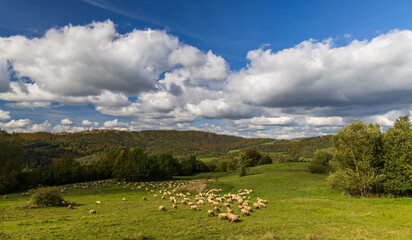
x=301, y=206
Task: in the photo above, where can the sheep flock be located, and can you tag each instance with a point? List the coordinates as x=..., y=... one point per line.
x=213, y=202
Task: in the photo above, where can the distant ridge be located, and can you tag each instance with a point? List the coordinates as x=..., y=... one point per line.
x=44, y=145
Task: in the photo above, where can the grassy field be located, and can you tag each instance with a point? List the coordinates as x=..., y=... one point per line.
x=301, y=206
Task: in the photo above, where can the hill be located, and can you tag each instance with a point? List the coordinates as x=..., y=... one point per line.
x=42, y=147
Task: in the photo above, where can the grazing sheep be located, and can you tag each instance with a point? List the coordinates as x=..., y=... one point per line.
x=92, y=212
x=183, y=202
x=226, y=204
x=144, y=199
x=190, y=203
x=200, y=202
x=245, y=212
x=249, y=209
x=233, y=217
x=256, y=205
x=261, y=204
x=162, y=208
x=98, y=202
x=163, y=197
x=265, y=201
x=194, y=208
x=70, y=207
x=223, y=216
x=216, y=209
x=240, y=207
x=210, y=213
x=174, y=206
x=229, y=210
x=215, y=204
x=124, y=199
x=155, y=196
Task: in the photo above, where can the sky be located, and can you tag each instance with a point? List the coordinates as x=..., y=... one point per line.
x=275, y=69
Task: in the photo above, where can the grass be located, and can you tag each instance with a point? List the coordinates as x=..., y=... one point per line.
x=301, y=206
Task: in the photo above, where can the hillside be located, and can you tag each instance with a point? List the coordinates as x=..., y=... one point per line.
x=42, y=147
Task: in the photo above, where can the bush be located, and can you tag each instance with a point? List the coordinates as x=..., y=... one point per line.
x=46, y=197
x=320, y=162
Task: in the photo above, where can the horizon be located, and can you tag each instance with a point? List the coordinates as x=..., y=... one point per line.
x=272, y=69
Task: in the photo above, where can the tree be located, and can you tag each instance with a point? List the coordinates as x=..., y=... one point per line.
x=357, y=158
x=243, y=164
x=253, y=157
x=398, y=157
x=10, y=157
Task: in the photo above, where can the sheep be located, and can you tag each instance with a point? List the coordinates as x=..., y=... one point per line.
x=244, y=212
x=174, y=206
x=226, y=204
x=215, y=204
x=124, y=199
x=155, y=196
x=92, y=212
x=163, y=197
x=200, y=202
x=183, y=202
x=261, y=204
x=216, y=209
x=249, y=209
x=240, y=207
x=229, y=210
x=223, y=216
x=70, y=207
x=144, y=199
x=256, y=205
x=233, y=218
x=210, y=213
x=194, y=208
x=190, y=203
x=98, y=202
x=162, y=208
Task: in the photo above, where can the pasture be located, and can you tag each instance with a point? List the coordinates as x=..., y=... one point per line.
x=300, y=206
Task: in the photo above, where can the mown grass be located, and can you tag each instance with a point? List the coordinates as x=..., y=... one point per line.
x=301, y=206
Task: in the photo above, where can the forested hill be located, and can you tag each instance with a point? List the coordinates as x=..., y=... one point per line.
x=41, y=147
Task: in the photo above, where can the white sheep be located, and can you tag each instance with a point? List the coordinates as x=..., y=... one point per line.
x=256, y=205
x=194, y=208
x=223, y=216
x=162, y=208
x=124, y=199
x=210, y=213
x=244, y=212
x=92, y=212
x=144, y=199
x=98, y=202
x=233, y=218
x=174, y=206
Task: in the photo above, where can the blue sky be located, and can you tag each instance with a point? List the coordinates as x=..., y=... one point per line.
x=279, y=69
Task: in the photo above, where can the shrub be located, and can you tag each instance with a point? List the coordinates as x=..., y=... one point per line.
x=46, y=196
x=320, y=162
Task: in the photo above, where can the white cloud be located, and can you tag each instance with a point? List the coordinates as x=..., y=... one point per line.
x=67, y=128
x=317, y=74
x=115, y=124
x=66, y=121
x=324, y=121
x=4, y=115
x=89, y=123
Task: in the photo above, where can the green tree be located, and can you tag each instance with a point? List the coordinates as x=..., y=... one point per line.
x=357, y=158
x=320, y=162
x=398, y=157
x=243, y=164
x=10, y=157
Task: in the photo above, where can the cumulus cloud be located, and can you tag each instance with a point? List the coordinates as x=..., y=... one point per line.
x=66, y=121
x=24, y=125
x=316, y=73
x=89, y=123
x=4, y=115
